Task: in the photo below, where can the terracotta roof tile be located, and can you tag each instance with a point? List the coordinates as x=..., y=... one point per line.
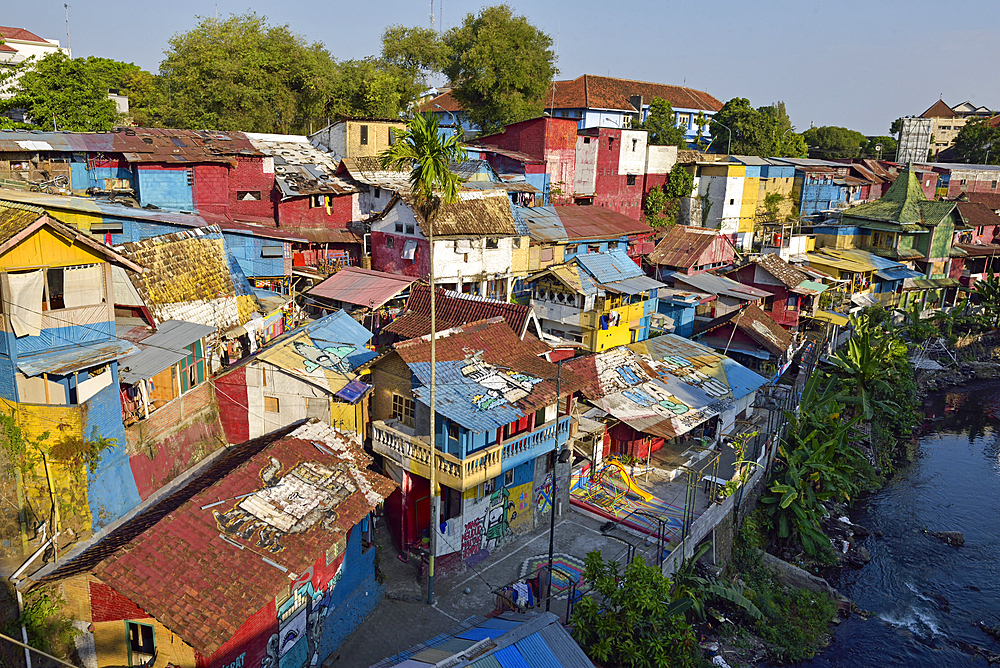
x=20, y=34
x=596, y=92
x=454, y=309
x=978, y=214
x=992, y=200
x=172, y=561
x=939, y=110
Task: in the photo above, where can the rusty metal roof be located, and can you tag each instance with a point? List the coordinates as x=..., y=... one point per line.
x=578, y=223
x=363, y=287
x=299, y=167
x=74, y=358
x=453, y=309
x=758, y=325
x=686, y=247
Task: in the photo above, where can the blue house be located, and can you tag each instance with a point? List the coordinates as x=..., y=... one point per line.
x=502, y=410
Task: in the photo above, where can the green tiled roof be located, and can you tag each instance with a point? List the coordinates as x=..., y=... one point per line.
x=904, y=203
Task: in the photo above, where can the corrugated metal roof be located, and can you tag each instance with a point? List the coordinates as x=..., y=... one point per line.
x=363, y=287
x=633, y=286
x=510, y=657
x=720, y=285
x=566, y=651
x=609, y=267
x=759, y=326
x=578, y=223
x=686, y=247
x=536, y=652
x=489, y=661
x=80, y=356
x=161, y=350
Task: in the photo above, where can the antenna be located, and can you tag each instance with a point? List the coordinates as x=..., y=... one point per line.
x=441, y=17
x=432, y=14
x=69, y=45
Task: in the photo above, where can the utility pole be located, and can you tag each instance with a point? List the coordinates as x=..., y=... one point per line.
x=555, y=478
x=69, y=45
x=435, y=499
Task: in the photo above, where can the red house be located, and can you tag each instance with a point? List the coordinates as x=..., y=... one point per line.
x=792, y=292
x=690, y=250
x=610, y=169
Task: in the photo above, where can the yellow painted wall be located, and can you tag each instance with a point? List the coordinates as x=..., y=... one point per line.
x=522, y=519
x=602, y=339
x=350, y=417
x=378, y=137
x=63, y=423
x=783, y=186
x=519, y=258
x=45, y=248
x=748, y=208
x=110, y=643
x=82, y=220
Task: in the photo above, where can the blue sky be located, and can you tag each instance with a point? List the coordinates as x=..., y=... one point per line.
x=850, y=63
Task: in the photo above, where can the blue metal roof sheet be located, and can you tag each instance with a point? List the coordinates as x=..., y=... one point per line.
x=536, y=652
x=510, y=657
x=75, y=358
x=486, y=662
x=456, y=396
x=498, y=623
x=609, y=267
x=480, y=633
x=339, y=327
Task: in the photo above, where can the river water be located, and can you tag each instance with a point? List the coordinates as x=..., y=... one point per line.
x=953, y=484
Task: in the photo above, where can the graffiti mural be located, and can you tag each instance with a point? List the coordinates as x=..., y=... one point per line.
x=331, y=358
x=502, y=386
x=490, y=523
x=521, y=497
x=306, y=495
x=543, y=495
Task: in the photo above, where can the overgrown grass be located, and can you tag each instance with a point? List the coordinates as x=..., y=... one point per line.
x=796, y=622
x=48, y=629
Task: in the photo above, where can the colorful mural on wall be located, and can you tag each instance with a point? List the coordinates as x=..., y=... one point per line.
x=668, y=385
x=543, y=495
x=500, y=385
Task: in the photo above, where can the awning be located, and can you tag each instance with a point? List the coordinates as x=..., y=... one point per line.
x=810, y=288
x=929, y=283
x=831, y=317
x=162, y=350
x=353, y=391
x=633, y=286
x=82, y=356
x=898, y=274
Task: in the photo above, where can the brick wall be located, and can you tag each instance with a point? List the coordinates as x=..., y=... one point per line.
x=173, y=439
x=166, y=187
x=211, y=188
x=249, y=175
x=107, y=605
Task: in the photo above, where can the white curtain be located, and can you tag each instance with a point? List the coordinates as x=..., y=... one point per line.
x=83, y=286
x=26, y=302
x=409, y=249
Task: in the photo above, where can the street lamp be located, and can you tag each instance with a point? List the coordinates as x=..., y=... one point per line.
x=729, y=146
x=454, y=118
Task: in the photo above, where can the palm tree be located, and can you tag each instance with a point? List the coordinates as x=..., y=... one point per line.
x=421, y=149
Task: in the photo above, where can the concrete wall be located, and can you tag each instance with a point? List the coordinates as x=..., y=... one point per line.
x=296, y=399
x=585, y=172
x=632, y=153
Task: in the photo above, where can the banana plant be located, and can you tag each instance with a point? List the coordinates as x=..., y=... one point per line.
x=696, y=589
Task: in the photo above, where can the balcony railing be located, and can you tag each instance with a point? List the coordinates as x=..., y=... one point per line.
x=528, y=446
x=413, y=453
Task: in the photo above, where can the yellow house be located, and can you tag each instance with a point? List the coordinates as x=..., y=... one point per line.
x=358, y=137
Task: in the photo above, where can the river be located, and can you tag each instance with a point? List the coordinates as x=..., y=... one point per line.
x=953, y=484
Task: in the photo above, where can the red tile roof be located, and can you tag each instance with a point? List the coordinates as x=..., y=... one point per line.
x=499, y=346
x=20, y=34
x=978, y=214
x=445, y=99
x=453, y=310
x=172, y=561
x=992, y=200
x=596, y=92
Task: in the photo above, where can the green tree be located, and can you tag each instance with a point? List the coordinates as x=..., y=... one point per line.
x=743, y=130
x=421, y=149
x=661, y=124
x=896, y=127
x=71, y=93
x=500, y=65
x=977, y=142
x=414, y=49
x=661, y=205
x=830, y=141
x=632, y=621
x=887, y=150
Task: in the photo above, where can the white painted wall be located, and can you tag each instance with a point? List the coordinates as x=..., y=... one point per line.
x=332, y=139
x=585, y=179
x=726, y=196
x=632, y=153
x=292, y=394
x=660, y=159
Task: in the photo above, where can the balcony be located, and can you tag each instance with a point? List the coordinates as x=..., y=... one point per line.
x=526, y=447
x=413, y=454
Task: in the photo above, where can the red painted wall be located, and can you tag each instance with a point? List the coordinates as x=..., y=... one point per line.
x=211, y=188
x=551, y=141
x=297, y=213
x=776, y=308
x=390, y=260
x=249, y=175
x=107, y=605
x=612, y=189
x=231, y=395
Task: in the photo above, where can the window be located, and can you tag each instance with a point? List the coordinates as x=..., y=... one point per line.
x=993, y=185
x=517, y=242
x=612, y=245
x=508, y=478
x=962, y=182
x=571, y=249
x=271, y=405
x=141, y=643
x=248, y=195
x=317, y=201
x=272, y=250
x=410, y=229
x=192, y=367
x=593, y=248
x=630, y=180
x=492, y=243
x=586, y=140
x=399, y=227
x=452, y=435
x=792, y=303
x=732, y=201
x=635, y=143
x=377, y=193
x=402, y=409
x=364, y=135
x=392, y=136
x=389, y=242
x=611, y=143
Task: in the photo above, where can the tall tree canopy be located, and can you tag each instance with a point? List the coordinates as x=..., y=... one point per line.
x=661, y=124
x=68, y=93
x=830, y=141
x=743, y=130
x=978, y=143
x=886, y=152
x=500, y=67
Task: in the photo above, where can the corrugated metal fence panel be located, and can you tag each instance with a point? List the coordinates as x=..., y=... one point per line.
x=536, y=653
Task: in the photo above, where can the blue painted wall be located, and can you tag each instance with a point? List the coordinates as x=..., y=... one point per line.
x=248, y=253
x=353, y=598
x=111, y=488
x=82, y=177
x=166, y=188
x=682, y=314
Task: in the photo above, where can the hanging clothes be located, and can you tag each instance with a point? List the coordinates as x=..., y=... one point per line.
x=604, y=322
